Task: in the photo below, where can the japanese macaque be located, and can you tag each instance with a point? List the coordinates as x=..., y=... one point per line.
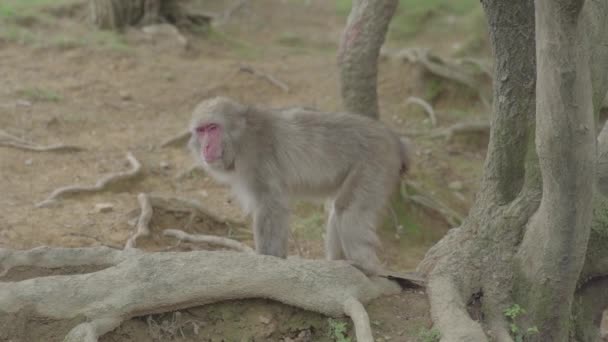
x=270, y=156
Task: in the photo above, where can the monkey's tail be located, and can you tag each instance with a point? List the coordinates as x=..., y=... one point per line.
x=405, y=148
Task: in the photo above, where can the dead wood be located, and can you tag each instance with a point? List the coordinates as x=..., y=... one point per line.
x=98, y=302
x=428, y=109
x=268, y=77
x=101, y=185
x=10, y=140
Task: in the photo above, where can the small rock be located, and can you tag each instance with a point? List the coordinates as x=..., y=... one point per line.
x=456, y=185
x=24, y=103
x=104, y=207
x=125, y=95
x=264, y=320
x=164, y=165
x=204, y=193
x=29, y=162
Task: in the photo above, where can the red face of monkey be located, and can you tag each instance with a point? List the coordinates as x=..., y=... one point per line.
x=209, y=136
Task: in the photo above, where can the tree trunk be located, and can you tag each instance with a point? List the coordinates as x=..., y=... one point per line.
x=358, y=55
x=525, y=239
x=118, y=14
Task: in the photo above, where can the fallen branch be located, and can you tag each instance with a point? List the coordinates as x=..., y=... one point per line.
x=100, y=185
x=210, y=239
x=98, y=302
x=10, y=140
x=180, y=139
x=428, y=109
x=462, y=128
x=273, y=80
x=142, y=227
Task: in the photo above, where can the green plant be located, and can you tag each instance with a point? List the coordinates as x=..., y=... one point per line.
x=40, y=94
x=429, y=335
x=512, y=313
x=337, y=330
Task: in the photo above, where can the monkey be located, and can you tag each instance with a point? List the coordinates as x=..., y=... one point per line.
x=270, y=156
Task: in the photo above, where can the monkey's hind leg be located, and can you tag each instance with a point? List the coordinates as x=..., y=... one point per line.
x=333, y=245
x=356, y=227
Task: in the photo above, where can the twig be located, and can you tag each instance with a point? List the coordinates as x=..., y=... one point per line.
x=142, y=228
x=462, y=128
x=266, y=76
x=426, y=106
x=210, y=239
x=9, y=140
x=179, y=139
x=100, y=185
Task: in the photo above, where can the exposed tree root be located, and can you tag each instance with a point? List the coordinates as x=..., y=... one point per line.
x=440, y=67
x=273, y=80
x=210, y=239
x=423, y=198
x=177, y=140
x=101, y=300
x=142, y=227
x=461, y=128
x=10, y=140
x=100, y=185
x=428, y=109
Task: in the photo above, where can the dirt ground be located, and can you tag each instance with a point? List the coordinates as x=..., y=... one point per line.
x=137, y=89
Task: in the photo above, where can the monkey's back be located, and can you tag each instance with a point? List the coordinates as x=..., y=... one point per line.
x=321, y=149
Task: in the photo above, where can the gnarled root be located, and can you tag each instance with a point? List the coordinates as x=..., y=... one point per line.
x=97, y=302
x=100, y=185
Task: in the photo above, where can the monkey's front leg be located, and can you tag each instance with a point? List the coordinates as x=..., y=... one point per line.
x=271, y=226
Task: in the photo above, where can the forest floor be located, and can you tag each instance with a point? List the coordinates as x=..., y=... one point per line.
x=63, y=81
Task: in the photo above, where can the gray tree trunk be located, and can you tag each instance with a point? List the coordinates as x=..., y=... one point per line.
x=358, y=55
x=525, y=239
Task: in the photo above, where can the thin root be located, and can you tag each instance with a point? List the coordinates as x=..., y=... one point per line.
x=428, y=109
x=101, y=184
x=10, y=140
x=273, y=80
x=426, y=200
x=210, y=239
x=142, y=227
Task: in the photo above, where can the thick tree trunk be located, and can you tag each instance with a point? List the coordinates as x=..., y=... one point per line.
x=477, y=260
x=358, y=55
x=553, y=249
x=118, y=14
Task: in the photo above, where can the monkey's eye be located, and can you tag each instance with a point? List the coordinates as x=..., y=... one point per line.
x=200, y=129
x=212, y=127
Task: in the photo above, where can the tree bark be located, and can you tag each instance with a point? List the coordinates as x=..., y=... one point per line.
x=525, y=239
x=358, y=54
x=553, y=250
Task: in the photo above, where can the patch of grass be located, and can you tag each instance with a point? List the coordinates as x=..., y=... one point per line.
x=309, y=222
x=413, y=15
x=337, y=330
x=40, y=95
x=428, y=335
x=434, y=88
x=291, y=39
x=512, y=313
x=108, y=39
x=17, y=8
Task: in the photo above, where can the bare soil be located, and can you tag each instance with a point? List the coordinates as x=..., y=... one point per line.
x=114, y=99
